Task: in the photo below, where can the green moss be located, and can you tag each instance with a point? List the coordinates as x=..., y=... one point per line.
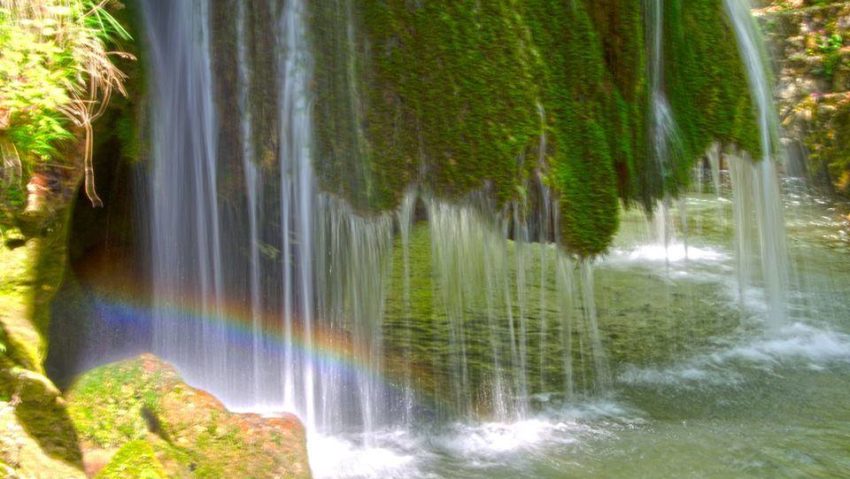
x=135, y=460
x=106, y=403
x=428, y=81
x=706, y=85
x=23, y=346
x=449, y=95
x=191, y=432
x=620, y=25
x=578, y=99
x=338, y=68
x=42, y=415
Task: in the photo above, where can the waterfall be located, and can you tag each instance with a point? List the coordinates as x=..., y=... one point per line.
x=757, y=193
x=185, y=218
x=298, y=190
x=663, y=123
x=276, y=296
x=251, y=191
x=762, y=257
x=405, y=224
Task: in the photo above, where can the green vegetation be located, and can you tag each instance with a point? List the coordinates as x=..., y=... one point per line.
x=56, y=77
x=35, y=414
x=584, y=119
x=815, y=67
x=705, y=83
x=136, y=460
x=456, y=97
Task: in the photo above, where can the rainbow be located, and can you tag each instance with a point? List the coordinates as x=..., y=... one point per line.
x=322, y=346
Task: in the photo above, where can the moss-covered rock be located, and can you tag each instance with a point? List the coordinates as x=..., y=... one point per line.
x=457, y=96
x=707, y=86
x=135, y=460
x=28, y=453
x=120, y=407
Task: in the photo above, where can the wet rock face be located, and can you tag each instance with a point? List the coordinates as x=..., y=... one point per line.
x=143, y=405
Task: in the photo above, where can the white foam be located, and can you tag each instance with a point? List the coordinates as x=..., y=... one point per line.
x=411, y=455
x=797, y=346
x=671, y=253
x=490, y=441
x=796, y=342
x=391, y=455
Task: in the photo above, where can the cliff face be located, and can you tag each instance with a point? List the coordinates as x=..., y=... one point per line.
x=37, y=438
x=811, y=41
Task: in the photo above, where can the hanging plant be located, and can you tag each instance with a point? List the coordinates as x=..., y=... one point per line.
x=56, y=74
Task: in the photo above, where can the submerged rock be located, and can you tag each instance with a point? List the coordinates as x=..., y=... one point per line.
x=137, y=418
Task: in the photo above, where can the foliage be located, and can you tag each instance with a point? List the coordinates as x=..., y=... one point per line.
x=830, y=47
x=56, y=77
x=812, y=36
x=829, y=141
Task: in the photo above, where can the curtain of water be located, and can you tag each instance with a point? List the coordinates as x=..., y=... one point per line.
x=298, y=190
x=405, y=225
x=663, y=123
x=185, y=219
x=274, y=296
x=353, y=275
x=252, y=189
x=763, y=186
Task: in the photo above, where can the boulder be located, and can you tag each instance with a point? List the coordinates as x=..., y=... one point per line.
x=141, y=408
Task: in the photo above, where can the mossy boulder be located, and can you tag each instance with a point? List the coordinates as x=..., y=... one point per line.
x=135, y=459
x=143, y=405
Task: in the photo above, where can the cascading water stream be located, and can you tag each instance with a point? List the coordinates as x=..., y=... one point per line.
x=298, y=190
x=252, y=186
x=185, y=224
x=763, y=185
x=663, y=123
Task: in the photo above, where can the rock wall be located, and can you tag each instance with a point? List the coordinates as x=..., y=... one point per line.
x=811, y=41
x=37, y=438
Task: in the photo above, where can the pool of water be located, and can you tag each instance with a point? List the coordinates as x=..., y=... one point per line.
x=772, y=406
x=703, y=384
